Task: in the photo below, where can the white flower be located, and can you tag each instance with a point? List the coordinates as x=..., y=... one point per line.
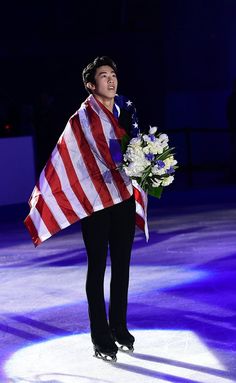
x=152, y=129
x=135, y=141
x=153, y=147
x=156, y=183
x=134, y=169
x=134, y=153
x=163, y=139
x=167, y=181
x=158, y=171
x=146, y=138
x=167, y=163
x=146, y=149
x=149, y=138
x=158, y=149
x=173, y=161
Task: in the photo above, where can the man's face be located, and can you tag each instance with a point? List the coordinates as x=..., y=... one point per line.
x=105, y=83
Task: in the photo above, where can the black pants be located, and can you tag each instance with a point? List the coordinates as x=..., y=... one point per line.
x=111, y=228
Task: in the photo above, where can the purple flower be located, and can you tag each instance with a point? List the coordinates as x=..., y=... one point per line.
x=160, y=164
x=152, y=137
x=170, y=170
x=149, y=156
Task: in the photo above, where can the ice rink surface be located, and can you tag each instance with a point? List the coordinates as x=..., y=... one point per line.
x=182, y=303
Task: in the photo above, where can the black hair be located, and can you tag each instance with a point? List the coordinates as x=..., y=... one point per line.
x=88, y=73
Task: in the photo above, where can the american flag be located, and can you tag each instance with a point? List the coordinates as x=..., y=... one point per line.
x=124, y=102
x=81, y=176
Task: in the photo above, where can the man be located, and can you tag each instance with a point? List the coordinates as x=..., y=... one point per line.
x=82, y=181
x=111, y=227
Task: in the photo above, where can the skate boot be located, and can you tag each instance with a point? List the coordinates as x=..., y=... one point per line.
x=104, y=347
x=124, y=338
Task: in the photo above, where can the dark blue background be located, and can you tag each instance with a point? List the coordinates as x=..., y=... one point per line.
x=176, y=60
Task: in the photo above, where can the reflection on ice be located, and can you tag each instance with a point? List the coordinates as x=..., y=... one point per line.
x=176, y=356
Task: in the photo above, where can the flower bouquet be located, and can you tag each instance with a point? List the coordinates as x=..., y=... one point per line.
x=150, y=161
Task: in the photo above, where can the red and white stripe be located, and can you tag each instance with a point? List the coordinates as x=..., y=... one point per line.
x=81, y=176
x=141, y=201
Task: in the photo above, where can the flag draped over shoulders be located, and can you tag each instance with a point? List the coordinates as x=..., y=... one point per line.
x=81, y=175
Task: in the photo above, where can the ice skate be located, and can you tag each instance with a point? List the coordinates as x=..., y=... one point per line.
x=107, y=357
x=124, y=338
x=105, y=348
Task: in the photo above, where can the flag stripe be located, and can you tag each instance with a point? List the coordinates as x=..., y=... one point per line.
x=75, y=185
x=98, y=132
x=141, y=201
x=43, y=232
x=58, y=193
x=32, y=230
x=87, y=190
x=119, y=131
x=106, y=173
x=99, y=136
x=139, y=221
x=90, y=163
x=138, y=197
x=47, y=216
x=52, y=202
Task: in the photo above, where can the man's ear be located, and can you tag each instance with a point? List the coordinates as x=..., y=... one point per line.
x=90, y=85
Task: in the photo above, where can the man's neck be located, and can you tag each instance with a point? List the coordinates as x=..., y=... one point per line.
x=107, y=102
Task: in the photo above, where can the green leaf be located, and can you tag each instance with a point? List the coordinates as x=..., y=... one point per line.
x=124, y=143
x=165, y=154
x=155, y=192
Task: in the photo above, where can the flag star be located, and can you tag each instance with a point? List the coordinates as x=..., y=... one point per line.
x=135, y=125
x=129, y=103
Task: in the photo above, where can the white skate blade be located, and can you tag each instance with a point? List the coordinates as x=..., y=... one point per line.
x=104, y=357
x=126, y=349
